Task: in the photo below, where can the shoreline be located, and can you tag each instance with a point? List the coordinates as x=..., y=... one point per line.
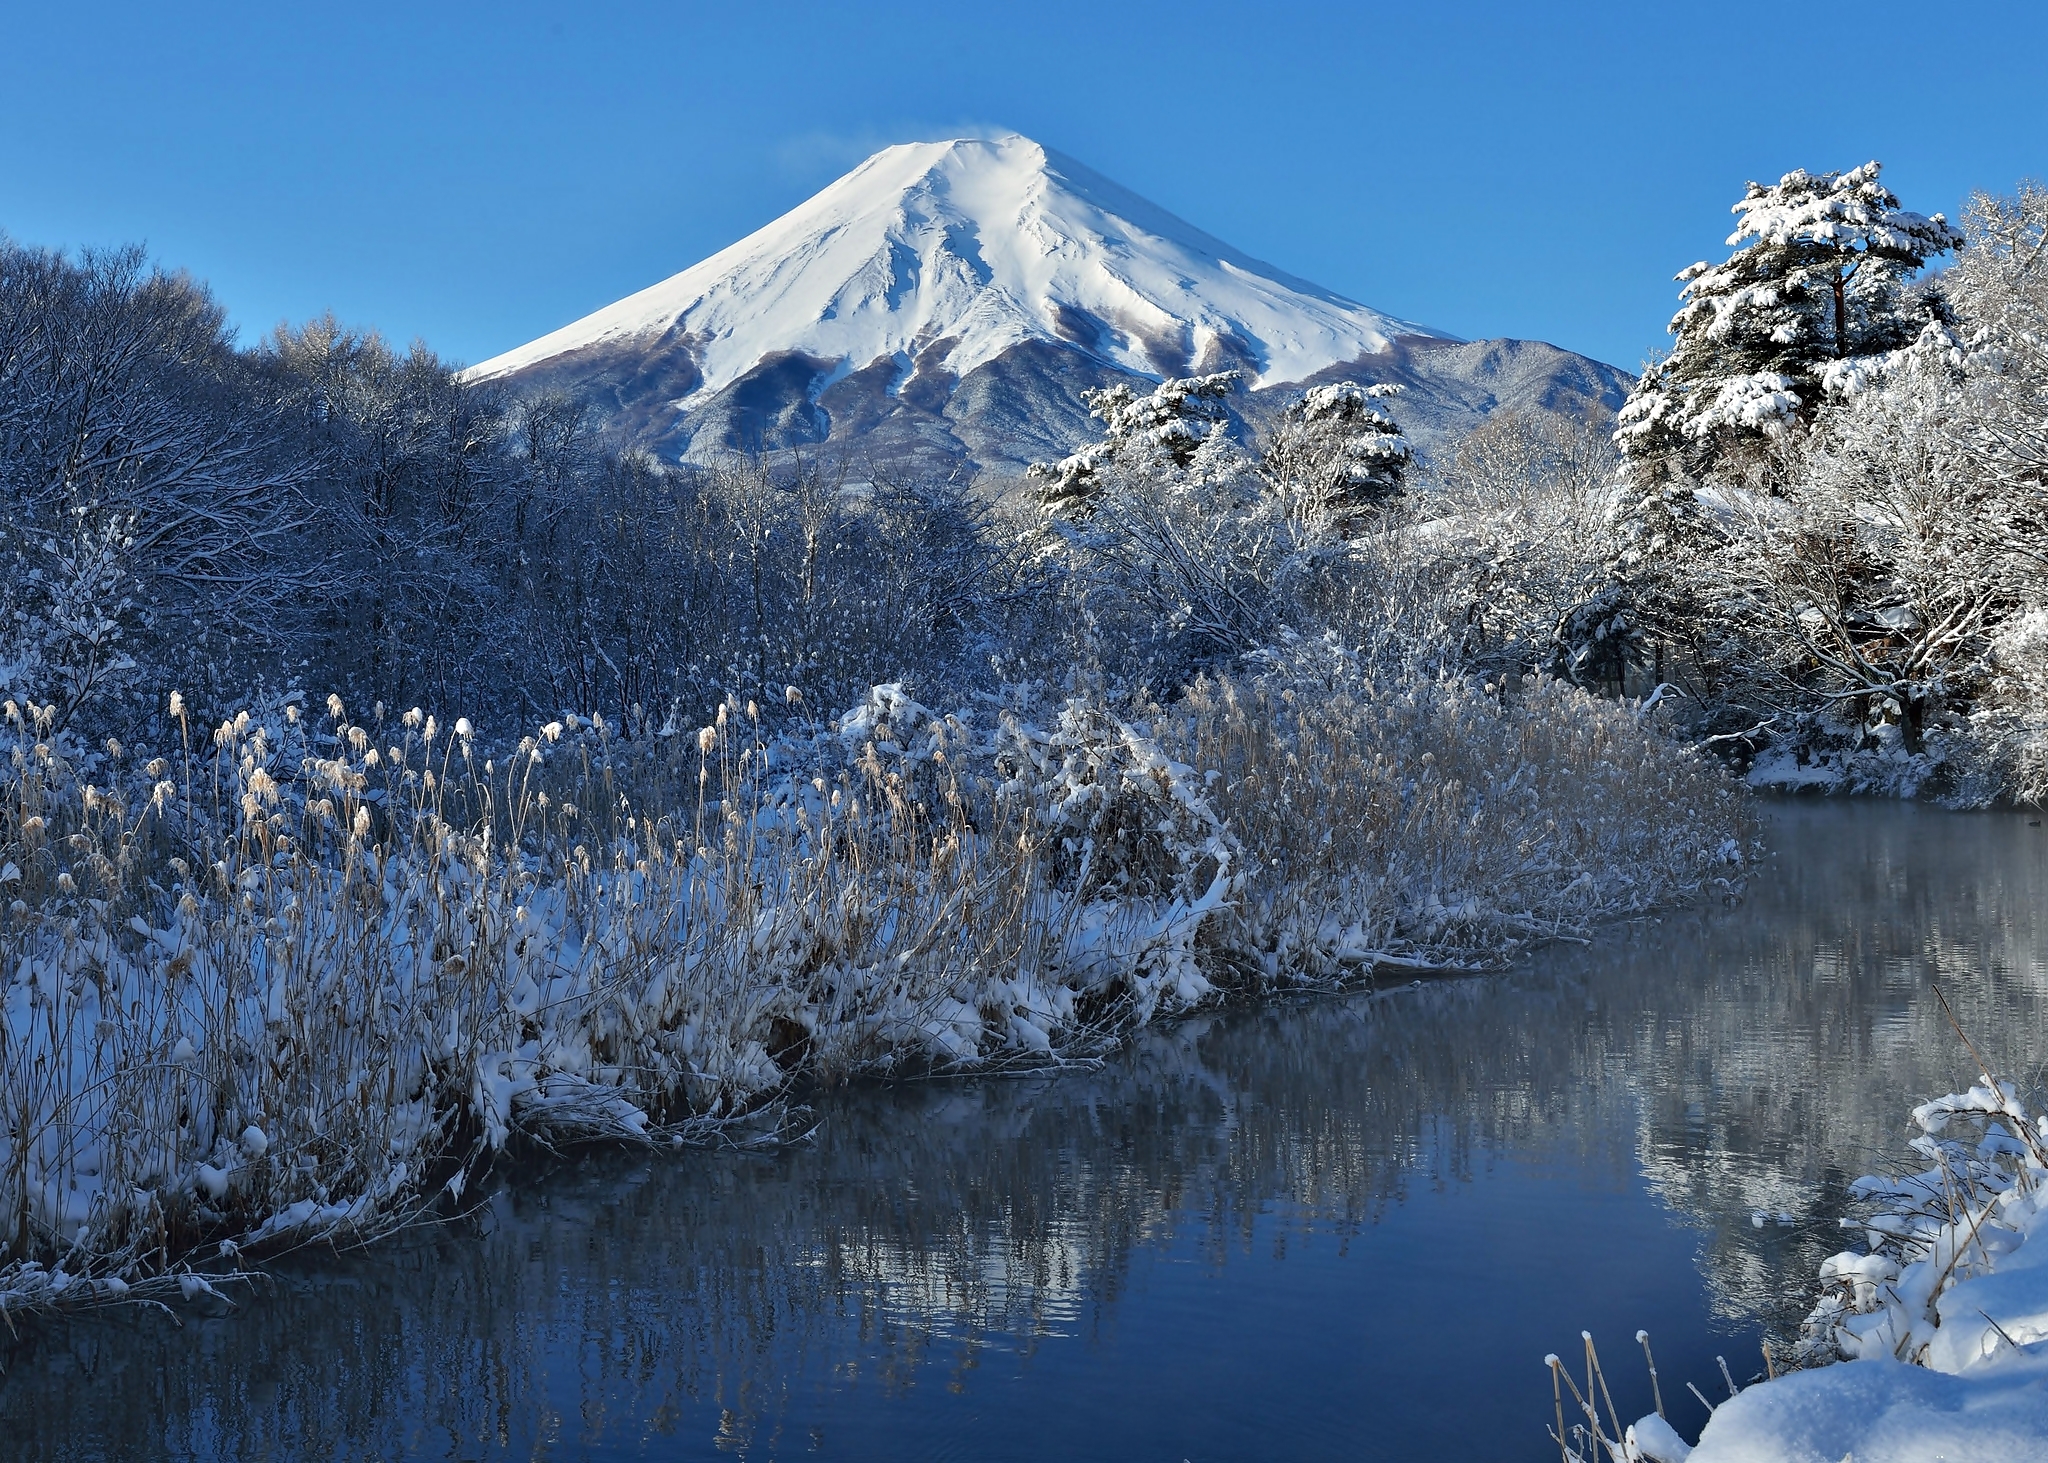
x=398, y=962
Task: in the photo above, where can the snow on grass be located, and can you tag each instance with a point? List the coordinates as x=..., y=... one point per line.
x=1937, y=1327
x=1442, y=822
x=301, y=980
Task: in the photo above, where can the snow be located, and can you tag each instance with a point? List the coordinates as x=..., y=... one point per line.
x=988, y=243
x=1945, y=1317
x=1654, y=1438
x=1884, y=1412
x=1848, y=210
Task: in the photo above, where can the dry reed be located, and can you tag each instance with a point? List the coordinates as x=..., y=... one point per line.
x=310, y=974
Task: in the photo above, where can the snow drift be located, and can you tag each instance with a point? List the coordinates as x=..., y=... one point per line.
x=1942, y=1315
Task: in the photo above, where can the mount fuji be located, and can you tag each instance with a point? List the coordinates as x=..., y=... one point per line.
x=948, y=302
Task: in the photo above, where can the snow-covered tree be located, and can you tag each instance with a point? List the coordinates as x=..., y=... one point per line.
x=1164, y=525
x=1334, y=458
x=1534, y=495
x=128, y=416
x=1881, y=573
x=64, y=607
x=2011, y=719
x=1496, y=542
x=1816, y=285
x=1875, y=604
x=1167, y=430
x=2000, y=289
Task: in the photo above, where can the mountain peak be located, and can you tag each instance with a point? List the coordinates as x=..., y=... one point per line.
x=970, y=247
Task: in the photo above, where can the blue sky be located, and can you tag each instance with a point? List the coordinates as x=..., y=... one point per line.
x=476, y=175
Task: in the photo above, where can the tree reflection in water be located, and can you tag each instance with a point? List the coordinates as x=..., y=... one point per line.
x=1732, y=1062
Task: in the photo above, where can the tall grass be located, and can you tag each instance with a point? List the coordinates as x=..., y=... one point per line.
x=308, y=974
x=1440, y=821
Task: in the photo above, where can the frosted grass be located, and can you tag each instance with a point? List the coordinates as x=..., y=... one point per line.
x=306, y=979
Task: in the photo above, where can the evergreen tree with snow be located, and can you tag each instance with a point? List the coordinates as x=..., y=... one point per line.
x=1160, y=433
x=1334, y=458
x=1177, y=550
x=1816, y=285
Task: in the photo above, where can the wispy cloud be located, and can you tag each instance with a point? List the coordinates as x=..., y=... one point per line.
x=817, y=155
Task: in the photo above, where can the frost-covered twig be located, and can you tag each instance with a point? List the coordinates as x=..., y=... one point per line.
x=1926, y=1233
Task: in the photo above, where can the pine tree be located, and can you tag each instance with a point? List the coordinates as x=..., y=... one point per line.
x=1159, y=433
x=1335, y=458
x=1816, y=285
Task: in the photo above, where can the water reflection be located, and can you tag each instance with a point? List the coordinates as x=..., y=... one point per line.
x=1322, y=1228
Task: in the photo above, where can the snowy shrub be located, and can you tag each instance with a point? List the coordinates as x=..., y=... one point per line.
x=1930, y=1231
x=145, y=474
x=63, y=606
x=1176, y=428
x=1175, y=552
x=2011, y=721
x=1497, y=565
x=1135, y=857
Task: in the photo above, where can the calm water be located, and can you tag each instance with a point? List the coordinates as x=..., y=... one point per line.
x=1322, y=1229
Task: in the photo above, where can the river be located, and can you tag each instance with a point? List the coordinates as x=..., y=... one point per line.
x=1312, y=1229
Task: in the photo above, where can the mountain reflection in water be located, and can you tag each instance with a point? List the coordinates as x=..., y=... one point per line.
x=1319, y=1228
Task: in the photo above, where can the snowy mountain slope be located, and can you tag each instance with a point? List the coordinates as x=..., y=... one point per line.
x=987, y=243
x=947, y=303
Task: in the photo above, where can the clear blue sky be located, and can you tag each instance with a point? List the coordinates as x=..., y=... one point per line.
x=475, y=175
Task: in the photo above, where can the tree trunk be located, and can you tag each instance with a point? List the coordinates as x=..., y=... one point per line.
x=1913, y=721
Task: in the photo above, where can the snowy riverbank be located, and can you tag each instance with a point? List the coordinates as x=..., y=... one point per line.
x=301, y=981
x=1937, y=1327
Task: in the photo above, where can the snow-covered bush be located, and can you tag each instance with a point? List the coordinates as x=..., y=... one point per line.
x=2010, y=722
x=1172, y=549
x=1927, y=1234
x=1134, y=858
x=63, y=606
x=1183, y=549
x=1941, y=1315
x=143, y=476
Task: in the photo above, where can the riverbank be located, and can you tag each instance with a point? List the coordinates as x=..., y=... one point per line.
x=1197, y=1247
x=307, y=977
x=1937, y=1326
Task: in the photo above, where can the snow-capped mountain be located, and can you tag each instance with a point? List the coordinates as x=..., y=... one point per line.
x=950, y=298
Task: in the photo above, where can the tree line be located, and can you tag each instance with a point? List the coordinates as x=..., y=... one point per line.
x=325, y=512
x=1814, y=535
